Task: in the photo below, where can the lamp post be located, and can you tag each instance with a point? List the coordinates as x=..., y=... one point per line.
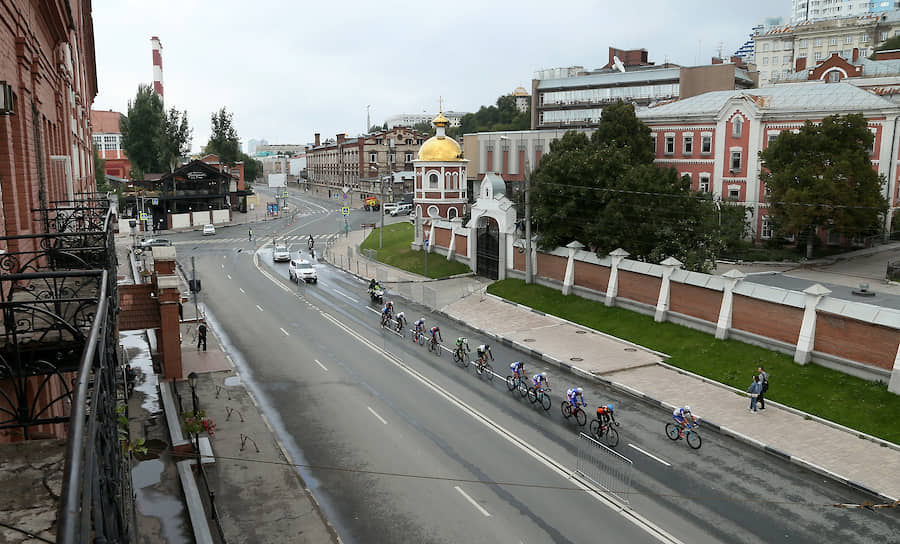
x=192, y=380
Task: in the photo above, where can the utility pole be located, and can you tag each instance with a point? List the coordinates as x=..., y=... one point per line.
x=529, y=273
x=390, y=173
x=194, y=290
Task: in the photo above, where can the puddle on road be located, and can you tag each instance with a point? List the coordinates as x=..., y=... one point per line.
x=138, y=352
x=152, y=499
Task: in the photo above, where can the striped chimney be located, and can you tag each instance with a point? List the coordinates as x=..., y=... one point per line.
x=156, y=45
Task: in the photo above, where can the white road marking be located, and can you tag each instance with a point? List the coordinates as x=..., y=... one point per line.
x=471, y=500
x=351, y=299
x=648, y=454
x=284, y=331
x=381, y=419
x=222, y=265
x=228, y=276
x=242, y=290
x=258, y=308
x=321, y=365
x=373, y=310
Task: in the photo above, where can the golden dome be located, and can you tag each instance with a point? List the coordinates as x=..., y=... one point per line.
x=440, y=149
x=440, y=120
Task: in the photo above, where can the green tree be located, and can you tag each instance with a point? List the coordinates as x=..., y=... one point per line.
x=888, y=45
x=223, y=141
x=142, y=130
x=252, y=167
x=425, y=127
x=502, y=116
x=822, y=177
x=605, y=192
x=175, y=142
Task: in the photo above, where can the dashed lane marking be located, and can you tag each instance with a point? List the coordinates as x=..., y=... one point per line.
x=648, y=454
x=321, y=365
x=471, y=500
x=381, y=419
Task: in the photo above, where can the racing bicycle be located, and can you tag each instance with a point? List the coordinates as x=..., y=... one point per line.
x=461, y=356
x=605, y=432
x=580, y=416
x=540, y=397
x=483, y=367
x=517, y=384
x=690, y=434
x=435, y=346
x=417, y=336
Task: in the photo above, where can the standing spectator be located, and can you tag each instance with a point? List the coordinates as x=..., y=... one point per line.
x=250, y=235
x=180, y=311
x=754, y=390
x=201, y=336
x=764, y=384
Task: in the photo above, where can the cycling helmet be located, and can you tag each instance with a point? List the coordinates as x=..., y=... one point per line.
x=389, y=304
x=579, y=390
x=687, y=408
x=609, y=407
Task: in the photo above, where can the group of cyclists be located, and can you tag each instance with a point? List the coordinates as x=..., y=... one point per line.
x=540, y=382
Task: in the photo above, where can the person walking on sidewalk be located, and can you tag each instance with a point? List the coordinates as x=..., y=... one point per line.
x=249, y=235
x=201, y=336
x=764, y=386
x=754, y=390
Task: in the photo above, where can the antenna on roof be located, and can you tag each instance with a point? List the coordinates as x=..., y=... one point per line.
x=618, y=64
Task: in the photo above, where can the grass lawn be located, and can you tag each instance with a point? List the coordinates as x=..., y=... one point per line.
x=832, y=395
x=396, y=252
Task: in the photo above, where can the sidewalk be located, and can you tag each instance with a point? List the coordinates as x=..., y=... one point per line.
x=826, y=448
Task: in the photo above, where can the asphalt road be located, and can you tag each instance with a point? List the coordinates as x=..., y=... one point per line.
x=403, y=445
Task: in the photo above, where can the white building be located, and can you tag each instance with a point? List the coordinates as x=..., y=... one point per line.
x=412, y=119
x=814, y=10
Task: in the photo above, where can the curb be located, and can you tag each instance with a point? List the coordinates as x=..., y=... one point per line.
x=662, y=404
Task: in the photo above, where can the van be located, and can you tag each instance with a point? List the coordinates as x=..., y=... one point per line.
x=401, y=209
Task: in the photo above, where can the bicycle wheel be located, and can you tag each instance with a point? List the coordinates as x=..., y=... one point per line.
x=566, y=409
x=438, y=349
x=510, y=384
x=580, y=417
x=412, y=336
x=672, y=431
x=489, y=371
x=612, y=437
x=532, y=396
x=596, y=429
x=523, y=389
x=545, y=401
x=430, y=346
x=421, y=339
x=693, y=439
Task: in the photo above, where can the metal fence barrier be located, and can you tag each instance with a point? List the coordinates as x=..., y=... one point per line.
x=604, y=467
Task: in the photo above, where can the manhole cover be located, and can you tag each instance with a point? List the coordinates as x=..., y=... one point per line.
x=580, y=332
x=528, y=340
x=630, y=349
x=576, y=359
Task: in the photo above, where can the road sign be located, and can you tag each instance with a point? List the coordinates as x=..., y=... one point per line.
x=284, y=194
x=154, y=201
x=346, y=189
x=143, y=216
x=345, y=210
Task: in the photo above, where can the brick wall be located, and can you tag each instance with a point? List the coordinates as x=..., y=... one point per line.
x=138, y=309
x=695, y=301
x=551, y=266
x=591, y=276
x=441, y=237
x=518, y=260
x=767, y=319
x=462, y=245
x=638, y=287
x=856, y=340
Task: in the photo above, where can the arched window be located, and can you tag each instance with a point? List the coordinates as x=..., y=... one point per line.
x=433, y=211
x=456, y=180
x=737, y=124
x=433, y=181
x=451, y=213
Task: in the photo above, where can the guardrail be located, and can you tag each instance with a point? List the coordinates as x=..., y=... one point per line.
x=604, y=467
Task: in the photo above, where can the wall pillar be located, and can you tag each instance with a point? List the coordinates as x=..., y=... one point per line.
x=569, y=280
x=430, y=237
x=806, y=340
x=662, y=302
x=894, y=384
x=169, y=326
x=612, y=289
x=732, y=278
x=455, y=223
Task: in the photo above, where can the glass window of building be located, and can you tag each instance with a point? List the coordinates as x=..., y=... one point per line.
x=706, y=144
x=736, y=127
x=704, y=183
x=766, y=231
x=687, y=144
x=833, y=40
x=863, y=38
x=735, y=161
x=670, y=144
x=818, y=56
x=804, y=43
x=848, y=39
x=818, y=42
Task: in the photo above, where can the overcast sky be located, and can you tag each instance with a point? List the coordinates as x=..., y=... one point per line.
x=287, y=69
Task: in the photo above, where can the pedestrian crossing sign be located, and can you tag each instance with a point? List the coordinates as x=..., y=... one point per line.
x=345, y=210
x=284, y=194
x=143, y=216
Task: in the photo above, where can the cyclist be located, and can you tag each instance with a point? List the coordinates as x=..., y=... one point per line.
x=680, y=416
x=539, y=381
x=419, y=326
x=518, y=369
x=484, y=351
x=401, y=319
x=573, y=395
x=605, y=415
x=386, y=312
x=436, y=335
x=462, y=346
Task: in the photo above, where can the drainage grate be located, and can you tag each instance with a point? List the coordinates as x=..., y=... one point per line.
x=528, y=340
x=576, y=359
x=580, y=332
x=630, y=349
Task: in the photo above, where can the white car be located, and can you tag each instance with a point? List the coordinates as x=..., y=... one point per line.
x=402, y=209
x=388, y=208
x=301, y=269
x=209, y=230
x=281, y=253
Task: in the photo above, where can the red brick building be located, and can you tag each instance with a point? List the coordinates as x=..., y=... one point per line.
x=47, y=57
x=715, y=138
x=108, y=140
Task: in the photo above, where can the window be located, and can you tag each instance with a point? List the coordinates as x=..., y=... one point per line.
x=834, y=76
x=818, y=56
x=670, y=144
x=863, y=38
x=818, y=42
x=786, y=59
x=379, y=141
x=409, y=157
x=804, y=43
x=687, y=144
x=848, y=39
x=706, y=144
x=766, y=231
x=704, y=183
x=884, y=36
x=772, y=137
x=373, y=157
x=408, y=141
x=846, y=54
x=419, y=141
x=736, y=126
x=765, y=60
x=735, y=161
x=653, y=142
x=734, y=194
x=392, y=158
x=764, y=75
x=801, y=54
x=433, y=211
x=765, y=47
x=433, y=181
x=833, y=40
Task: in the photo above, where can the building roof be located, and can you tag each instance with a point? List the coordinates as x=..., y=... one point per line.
x=811, y=96
x=440, y=149
x=870, y=68
x=105, y=122
x=613, y=77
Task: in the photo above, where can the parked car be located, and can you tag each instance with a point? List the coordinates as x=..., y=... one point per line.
x=388, y=208
x=301, y=269
x=401, y=209
x=209, y=230
x=154, y=242
x=281, y=253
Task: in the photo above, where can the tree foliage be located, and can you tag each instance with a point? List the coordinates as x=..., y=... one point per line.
x=605, y=192
x=822, y=177
x=142, y=130
x=176, y=139
x=223, y=141
x=252, y=167
x=503, y=116
x=888, y=45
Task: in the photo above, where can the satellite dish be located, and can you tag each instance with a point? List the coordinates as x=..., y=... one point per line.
x=618, y=64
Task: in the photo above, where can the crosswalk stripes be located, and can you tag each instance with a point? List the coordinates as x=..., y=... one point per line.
x=261, y=238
